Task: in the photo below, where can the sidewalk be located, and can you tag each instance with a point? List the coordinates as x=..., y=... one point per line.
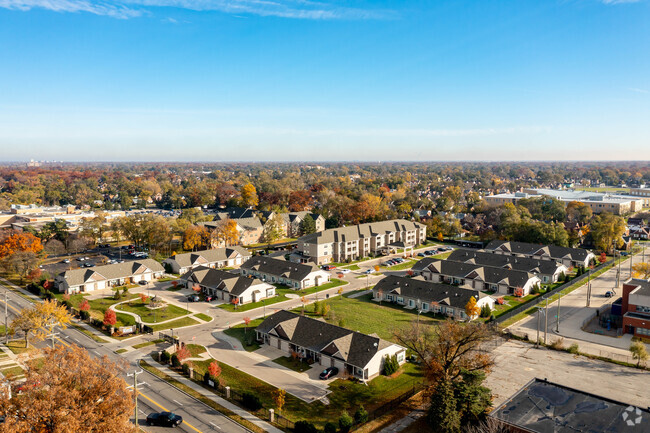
x=223, y=402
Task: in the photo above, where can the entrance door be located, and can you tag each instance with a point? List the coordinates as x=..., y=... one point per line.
x=279, y=344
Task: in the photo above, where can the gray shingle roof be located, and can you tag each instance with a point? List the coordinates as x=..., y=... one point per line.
x=553, y=251
x=209, y=256
x=488, y=274
x=79, y=276
x=427, y=291
x=352, y=347
x=215, y=278
x=353, y=233
x=502, y=261
x=280, y=267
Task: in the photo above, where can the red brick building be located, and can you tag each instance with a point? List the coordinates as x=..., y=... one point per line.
x=636, y=307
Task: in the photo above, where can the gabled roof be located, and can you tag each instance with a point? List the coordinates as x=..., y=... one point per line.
x=222, y=280
x=552, y=251
x=525, y=264
x=352, y=347
x=427, y=291
x=280, y=267
x=488, y=274
x=361, y=231
x=76, y=277
x=209, y=256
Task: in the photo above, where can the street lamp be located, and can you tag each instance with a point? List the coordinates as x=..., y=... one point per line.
x=264, y=305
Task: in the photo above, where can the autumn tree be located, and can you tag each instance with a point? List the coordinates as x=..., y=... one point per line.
x=641, y=270
x=471, y=309
x=639, y=352
x=214, y=370
x=110, y=318
x=54, y=247
x=192, y=238
x=183, y=353
x=67, y=391
x=225, y=233
x=247, y=321
x=279, y=396
x=52, y=314
x=607, y=230
x=274, y=229
x=249, y=196
x=84, y=306
x=20, y=242
x=27, y=321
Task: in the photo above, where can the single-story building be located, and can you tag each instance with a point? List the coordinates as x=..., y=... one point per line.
x=107, y=276
x=295, y=275
x=427, y=297
x=228, y=286
x=571, y=257
x=549, y=271
x=214, y=258
x=353, y=353
x=485, y=278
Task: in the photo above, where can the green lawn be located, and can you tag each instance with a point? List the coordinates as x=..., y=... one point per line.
x=99, y=306
x=120, y=351
x=178, y=323
x=293, y=364
x=147, y=343
x=195, y=350
x=18, y=346
x=366, y=316
x=352, y=267
x=12, y=371
x=245, y=335
x=148, y=315
x=345, y=395
x=203, y=317
x=174, y=289
x=402, y=266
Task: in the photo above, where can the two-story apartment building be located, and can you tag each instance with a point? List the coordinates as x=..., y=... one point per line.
x=570, y=257
x=486, y=278
x=227, y=286
x=548, y=271
x=355, y=242
x=214, y=258
x=353, y=353
x=429, y=297
x=295, y=275
x=636, y=307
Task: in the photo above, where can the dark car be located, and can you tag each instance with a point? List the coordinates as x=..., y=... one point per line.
x=609, y=294
x=142, y=283
x=329, y=372
x=328, y=267
x=193, y=298
x=421, y=254
x=165, y=419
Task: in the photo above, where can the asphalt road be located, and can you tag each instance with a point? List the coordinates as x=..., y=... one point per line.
x=155, y=395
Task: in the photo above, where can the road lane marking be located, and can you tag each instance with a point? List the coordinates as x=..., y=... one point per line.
x=180, y=404
x=167, y=410
x=214, y=425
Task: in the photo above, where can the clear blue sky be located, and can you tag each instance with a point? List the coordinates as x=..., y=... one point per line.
x=212, y=80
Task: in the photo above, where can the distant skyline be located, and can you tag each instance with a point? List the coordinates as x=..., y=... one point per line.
x=301, y=80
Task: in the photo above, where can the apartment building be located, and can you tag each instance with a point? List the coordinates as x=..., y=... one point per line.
x=355, y=242
x=571, y=257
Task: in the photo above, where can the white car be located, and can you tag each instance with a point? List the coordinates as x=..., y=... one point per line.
x=343, y=271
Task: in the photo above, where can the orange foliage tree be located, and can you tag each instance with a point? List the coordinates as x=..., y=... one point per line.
x=20, y=242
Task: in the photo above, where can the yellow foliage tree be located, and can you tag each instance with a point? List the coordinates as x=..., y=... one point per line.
x=279, y=398
x=249, y=195
x=641, y=270
x=471, y=309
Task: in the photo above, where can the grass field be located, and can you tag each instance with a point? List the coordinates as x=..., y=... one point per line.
x=195, y=350
x=364, y=315
x=18, y=347
x=402, y=266
x=203, y=317
x=147, y=343
x=153, y=316
x=293, y=364
x=352, y=267
x=239, y=332
x=12, y=371
x=178, y=323
x=345, y=395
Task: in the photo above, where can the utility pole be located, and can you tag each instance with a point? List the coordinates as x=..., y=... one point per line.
x=618, y=272
x=546, y=321
x=6, y=317
x=135, y=391
x=557, y=322
x=539, y=312
x=588, y=286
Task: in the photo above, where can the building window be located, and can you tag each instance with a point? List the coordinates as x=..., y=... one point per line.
x=400, y=357
x=642, y=309
x=425, y=306
x=643, y=331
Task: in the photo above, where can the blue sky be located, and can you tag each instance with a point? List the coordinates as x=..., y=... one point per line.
x=213, y=80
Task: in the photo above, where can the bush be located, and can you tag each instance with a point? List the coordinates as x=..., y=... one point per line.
x=486, y=310
x=557, y=344
x=361, y=415
x=345, y=422
x=330, y=427
x=390, y=365
x=186, y=368
x=164, y=357
x=85, y=315
x=304, y=427
x=573, y=349
x=251, y=401
x=175, y=361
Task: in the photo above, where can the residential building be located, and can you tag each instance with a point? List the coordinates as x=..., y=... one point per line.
x=293, y=221
x=295, y=275
x=598, y=202
x=571, y=257
x=485, y=278
x=355, y=242
x=427, y=297
x=228, y=286
x=250, y=229
x=549, y=271
x=353, y=353
x=545, y=407
x=636, y=307
x=104, y=277
x=214, y=258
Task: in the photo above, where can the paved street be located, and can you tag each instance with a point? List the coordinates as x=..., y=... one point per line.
x=573, y=313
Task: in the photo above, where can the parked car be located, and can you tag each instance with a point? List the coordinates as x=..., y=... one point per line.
x=193, y=298
x=429, y=252
x=164, y=419
x=328, y=267
x=143, y=283
x=80, y=259
x=344, y=271
x=367, y=271
x=399, y=260
x=328, y=372
x=86, y=258
x=87, y=265
x=421, y=254
x=66, y=261
x=609, y=294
